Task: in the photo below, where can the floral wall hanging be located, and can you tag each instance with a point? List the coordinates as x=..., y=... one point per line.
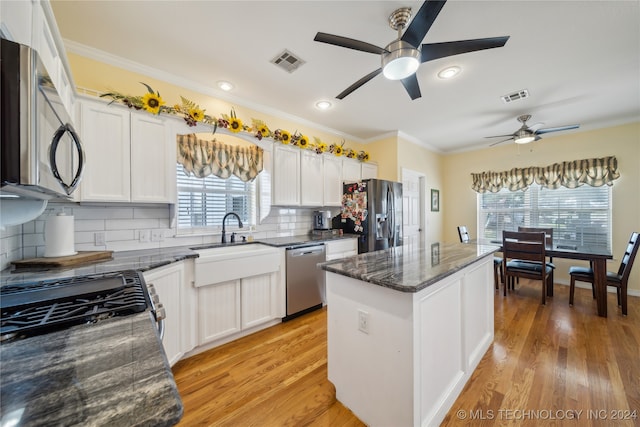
x=192, y=114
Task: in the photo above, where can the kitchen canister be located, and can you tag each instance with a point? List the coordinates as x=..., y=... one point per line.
x=59, y=236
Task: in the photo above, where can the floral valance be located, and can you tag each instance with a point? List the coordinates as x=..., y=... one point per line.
x=203, y=158
x=593, y=172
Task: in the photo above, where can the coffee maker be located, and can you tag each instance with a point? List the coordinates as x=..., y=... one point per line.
x=321, y=220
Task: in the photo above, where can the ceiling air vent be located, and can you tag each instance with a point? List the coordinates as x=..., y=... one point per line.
x=521, y=94
x=287, y=61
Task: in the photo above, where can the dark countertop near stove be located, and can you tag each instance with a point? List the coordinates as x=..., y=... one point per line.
x=113, y=373
x=410, y=268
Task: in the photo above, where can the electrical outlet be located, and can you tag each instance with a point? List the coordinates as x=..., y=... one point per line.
x=98, y=238
x=144, y=236
x=363, y=321
x=157, y=235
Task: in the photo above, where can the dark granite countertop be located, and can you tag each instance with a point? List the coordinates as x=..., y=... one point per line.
x=110, y=373
x=410, y=269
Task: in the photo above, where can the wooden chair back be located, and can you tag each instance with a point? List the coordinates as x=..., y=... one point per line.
x=548, y=232
x=464, y=234
x=525, y=246
x=629, y=256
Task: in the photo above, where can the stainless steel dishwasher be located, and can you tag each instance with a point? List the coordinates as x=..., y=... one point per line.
x=305, y=281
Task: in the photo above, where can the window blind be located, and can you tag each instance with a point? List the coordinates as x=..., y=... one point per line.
x=579, y=216
x=203, y=202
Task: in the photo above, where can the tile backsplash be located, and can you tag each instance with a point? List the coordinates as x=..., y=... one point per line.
x=123, y=227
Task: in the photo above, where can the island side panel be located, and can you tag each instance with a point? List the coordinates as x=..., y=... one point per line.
x=453, y=330
x=372, y=372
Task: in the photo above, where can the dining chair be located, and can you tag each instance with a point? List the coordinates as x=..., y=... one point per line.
x=548, y=239
x=619, y=279
x=463, y=233
x=524, y=256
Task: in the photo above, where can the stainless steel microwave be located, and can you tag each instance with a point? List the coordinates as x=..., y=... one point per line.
x=41, y=155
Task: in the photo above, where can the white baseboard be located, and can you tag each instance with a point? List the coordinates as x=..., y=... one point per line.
x=583, y=285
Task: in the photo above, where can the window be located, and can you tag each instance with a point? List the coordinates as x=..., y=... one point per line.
x=579, y=216
x=203, y=202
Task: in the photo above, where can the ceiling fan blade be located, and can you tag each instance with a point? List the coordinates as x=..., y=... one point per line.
x=500, y=142
x=349, y=43
x=411, y=85
x=431, y=51
x=556, y=129
x=359, y=83
x=499, y=136
x=422, y=22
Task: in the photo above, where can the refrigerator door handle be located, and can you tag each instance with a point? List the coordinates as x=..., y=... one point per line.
x=391, y=214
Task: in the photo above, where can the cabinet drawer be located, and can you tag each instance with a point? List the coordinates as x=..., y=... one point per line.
x=339, y=246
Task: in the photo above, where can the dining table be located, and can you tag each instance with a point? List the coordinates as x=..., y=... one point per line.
x=597, y=257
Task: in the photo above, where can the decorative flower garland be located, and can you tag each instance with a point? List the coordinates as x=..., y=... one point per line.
x=192, y=114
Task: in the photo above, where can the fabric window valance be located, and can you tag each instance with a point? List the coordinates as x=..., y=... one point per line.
x=593, y=172
x=203, y=158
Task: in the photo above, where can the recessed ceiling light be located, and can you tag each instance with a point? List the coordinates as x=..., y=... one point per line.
x=323, y=105
x=449, y=72
x=224, y=85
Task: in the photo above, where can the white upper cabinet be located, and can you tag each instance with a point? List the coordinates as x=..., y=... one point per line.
x=286, y=175
x=17, y=19
x=105, y=133
x=332, y=175
x=351, y=171
x=311, y=179
x=130, y=155
x=369, y=170
x=153, y=159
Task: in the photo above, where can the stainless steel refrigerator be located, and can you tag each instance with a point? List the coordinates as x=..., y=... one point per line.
x=372, y=208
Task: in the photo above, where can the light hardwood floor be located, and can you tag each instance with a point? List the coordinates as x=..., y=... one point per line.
x=546, y=363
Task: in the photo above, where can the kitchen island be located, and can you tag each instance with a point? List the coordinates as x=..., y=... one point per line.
x=406, y=328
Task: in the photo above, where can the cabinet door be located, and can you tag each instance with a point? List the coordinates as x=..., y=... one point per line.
x=218, y=311
x=286, y=176
x=351, y=171
x=17, y=21
x=153, y=159
x=105, y=133
x=43, y=42
x=369, y=170
x=258, y=299
x=311, y=182
x=332, y=174
x=169, y=285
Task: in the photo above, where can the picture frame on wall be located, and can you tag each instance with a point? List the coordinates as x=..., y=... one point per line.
x=435, y=200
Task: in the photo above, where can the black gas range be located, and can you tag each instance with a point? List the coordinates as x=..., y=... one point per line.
x=45, y=306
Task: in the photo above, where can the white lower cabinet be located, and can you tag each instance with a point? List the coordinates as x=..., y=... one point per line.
x=239, y=290
x=218, y=311
x=336, y=249
x=173, y=288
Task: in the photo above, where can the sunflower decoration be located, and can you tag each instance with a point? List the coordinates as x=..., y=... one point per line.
x=152, y=101
x=261, y=129
x=337, y=149
x=282, y=136
x=192, y=113
x=235, y=124
x=319, y=146
x=363, y=156
x=303, y=142
x=350, y=153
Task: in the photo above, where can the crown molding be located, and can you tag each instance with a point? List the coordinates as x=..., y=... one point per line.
x=404, y=136
x=117, y=61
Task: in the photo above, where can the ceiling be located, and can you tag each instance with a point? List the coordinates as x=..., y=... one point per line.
x=579, y=60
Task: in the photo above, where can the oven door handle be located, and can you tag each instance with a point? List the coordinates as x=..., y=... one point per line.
x=160, y=316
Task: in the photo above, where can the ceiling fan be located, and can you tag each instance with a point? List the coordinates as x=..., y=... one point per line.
x=525, y=134
x=401, y=58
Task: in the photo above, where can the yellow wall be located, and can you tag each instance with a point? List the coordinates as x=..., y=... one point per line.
x=458, y=200
x=102, y=78
x=385, y=153
x=416, y=158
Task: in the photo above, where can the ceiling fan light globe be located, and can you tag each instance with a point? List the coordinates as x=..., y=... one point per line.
x=401, y=62
x=524, y=139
